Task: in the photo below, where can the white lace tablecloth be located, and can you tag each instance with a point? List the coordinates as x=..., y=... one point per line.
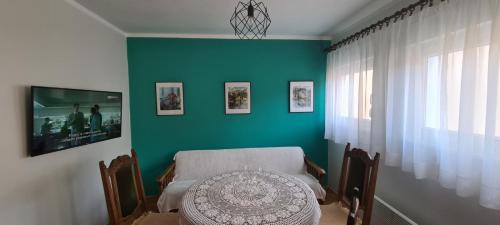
x=250, y=197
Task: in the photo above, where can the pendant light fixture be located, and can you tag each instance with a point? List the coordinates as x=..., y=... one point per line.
x=250, y=20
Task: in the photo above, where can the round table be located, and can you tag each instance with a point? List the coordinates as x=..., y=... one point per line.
x=250, y=197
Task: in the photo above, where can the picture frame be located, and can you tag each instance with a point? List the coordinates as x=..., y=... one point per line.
x=301, y=96
x=237, y=97
x=169, y=98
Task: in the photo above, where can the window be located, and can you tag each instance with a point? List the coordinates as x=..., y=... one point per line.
x=450, y=106
x=360, y=93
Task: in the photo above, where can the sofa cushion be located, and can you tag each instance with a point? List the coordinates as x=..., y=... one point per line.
x=172, y=195
x=195, y=164
x=314, y=184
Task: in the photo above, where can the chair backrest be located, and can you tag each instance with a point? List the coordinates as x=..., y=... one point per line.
x=359, y=171
x=123, y=189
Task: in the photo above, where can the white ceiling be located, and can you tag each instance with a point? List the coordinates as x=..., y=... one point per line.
x=308, y=18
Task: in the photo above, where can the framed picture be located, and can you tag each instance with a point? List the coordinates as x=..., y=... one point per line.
x=237, y=97
x=169, y=98
x=301, y=96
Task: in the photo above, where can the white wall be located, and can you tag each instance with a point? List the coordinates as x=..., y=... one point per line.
x=50, y=43
x=424, y=201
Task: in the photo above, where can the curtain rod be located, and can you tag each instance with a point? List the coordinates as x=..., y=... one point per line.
x=399, y=15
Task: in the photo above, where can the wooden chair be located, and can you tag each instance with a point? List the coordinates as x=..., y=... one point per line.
x=353, y=210
x=357, y=184
x=125, y=197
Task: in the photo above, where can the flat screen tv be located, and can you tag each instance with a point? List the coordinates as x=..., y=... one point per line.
x=65, y=118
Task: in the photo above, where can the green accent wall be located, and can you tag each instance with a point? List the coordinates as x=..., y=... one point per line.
x=203, y=65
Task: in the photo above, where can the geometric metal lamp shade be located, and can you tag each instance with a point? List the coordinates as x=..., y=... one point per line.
x=250, y=20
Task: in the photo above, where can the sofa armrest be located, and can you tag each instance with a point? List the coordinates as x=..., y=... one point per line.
x=314, y=169
x=166, y=177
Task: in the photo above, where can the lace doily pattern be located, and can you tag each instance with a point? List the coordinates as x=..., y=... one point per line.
x=250, y=198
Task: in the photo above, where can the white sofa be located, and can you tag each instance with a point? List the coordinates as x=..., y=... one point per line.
x=191, y=166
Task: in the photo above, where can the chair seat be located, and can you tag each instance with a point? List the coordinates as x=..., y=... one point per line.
x=333, y=214
x=157, y=219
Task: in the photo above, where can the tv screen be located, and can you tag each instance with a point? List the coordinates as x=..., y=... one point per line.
x=66, y=118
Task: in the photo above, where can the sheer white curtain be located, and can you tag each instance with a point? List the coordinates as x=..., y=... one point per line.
x=425, y=93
